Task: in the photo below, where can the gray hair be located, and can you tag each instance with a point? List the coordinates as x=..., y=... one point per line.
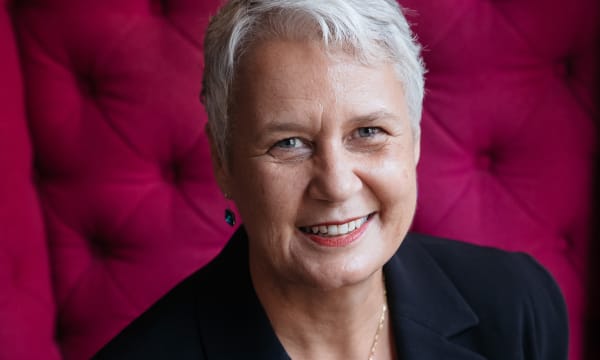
x=372, y=30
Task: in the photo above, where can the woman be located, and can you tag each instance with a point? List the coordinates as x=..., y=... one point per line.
x=314, y=111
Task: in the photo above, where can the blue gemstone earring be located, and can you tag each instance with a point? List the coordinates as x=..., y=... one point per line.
x=229, y=215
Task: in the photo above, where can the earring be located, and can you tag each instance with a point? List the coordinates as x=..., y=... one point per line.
x=229, y=215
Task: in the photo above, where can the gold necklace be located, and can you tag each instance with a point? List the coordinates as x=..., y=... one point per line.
x=379, y=327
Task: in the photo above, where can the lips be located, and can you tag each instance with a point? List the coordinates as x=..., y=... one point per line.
x=331, y=230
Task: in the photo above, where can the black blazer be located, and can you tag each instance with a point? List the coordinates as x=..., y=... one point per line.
x=447, y=300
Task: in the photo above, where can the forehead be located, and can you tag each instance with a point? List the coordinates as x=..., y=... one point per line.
x=271, y=65
x=305, y=70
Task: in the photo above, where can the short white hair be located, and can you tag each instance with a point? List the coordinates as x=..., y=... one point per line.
x=371, y=30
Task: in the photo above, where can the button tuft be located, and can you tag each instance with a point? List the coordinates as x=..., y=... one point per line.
x=566, y=67
x=98, y=247
x=172, y=173
x=485, y=161
x=159, y=7
x=88, y=86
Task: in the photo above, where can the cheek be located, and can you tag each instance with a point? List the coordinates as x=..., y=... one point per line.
x=394, y=185
x=394, y=174
x=266, y=190
x=399, y=191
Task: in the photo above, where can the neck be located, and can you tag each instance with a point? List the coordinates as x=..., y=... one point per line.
x=338, y=323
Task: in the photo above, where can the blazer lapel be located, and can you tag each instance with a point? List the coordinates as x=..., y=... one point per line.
x=426, y=309
x=233, y=323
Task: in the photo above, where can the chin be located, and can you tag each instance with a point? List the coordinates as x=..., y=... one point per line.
x=336, y=276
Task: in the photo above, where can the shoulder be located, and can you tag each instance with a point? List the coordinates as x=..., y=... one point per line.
x=169, y=328
x=166, y=330
x=511, y=294
x=474, y=268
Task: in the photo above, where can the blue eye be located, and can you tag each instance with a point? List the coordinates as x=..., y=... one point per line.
x=368, y=131
x=291, y=149
x=290, y=143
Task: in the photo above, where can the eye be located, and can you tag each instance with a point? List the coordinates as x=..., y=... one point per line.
x=368, y=138
x=291, y=149
x=289, y=143
x=364, y=132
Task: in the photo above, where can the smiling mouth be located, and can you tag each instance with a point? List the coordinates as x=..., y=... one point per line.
x=332, y=230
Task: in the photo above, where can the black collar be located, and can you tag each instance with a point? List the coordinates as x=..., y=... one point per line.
x=426, y=309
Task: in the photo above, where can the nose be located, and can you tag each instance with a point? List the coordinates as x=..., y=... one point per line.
x=335, y=175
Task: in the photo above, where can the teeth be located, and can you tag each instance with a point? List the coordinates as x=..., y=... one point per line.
x=343, y=229
x=351, y=226
x=334, y=230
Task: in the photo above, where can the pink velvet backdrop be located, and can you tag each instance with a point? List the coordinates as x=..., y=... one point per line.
x=508, y=131
x=592, y=324
x=26, y=303
x=101, y=98
x=124, y=176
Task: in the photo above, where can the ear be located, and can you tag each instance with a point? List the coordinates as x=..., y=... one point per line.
x=220, y=169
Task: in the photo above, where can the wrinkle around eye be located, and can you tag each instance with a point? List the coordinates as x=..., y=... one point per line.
x=374, y=141
x=290, y=149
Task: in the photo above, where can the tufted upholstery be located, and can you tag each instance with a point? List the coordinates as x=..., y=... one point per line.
x=26, y=303
x=103, y=105
x=123, y=169
x=508, y=131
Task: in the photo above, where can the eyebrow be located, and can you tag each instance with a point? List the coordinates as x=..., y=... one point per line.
x=291, y=126
x=284, y=126
x=376, y=115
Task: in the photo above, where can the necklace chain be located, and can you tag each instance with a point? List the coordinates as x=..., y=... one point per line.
x=379, y=327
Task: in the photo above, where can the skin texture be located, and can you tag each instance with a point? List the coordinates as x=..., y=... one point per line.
x=318, y=138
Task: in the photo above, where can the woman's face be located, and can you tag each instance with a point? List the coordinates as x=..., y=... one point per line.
x=321, y=164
